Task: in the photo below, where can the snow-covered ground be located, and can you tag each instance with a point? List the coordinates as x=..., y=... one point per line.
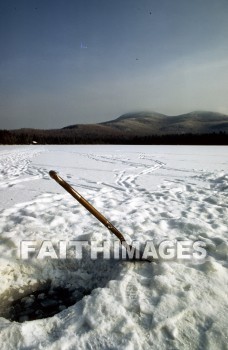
x=149, y=193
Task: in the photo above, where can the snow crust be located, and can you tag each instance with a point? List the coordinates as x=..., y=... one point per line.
x=148, y=193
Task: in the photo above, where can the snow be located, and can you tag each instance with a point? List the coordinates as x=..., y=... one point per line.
x=149, y=193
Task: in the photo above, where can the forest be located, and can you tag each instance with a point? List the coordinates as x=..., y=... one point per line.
x=71, y=136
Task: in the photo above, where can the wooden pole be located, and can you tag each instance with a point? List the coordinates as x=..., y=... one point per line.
x=93, y=211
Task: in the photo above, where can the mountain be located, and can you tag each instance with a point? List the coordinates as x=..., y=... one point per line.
x=205, y=128
x=152, y=123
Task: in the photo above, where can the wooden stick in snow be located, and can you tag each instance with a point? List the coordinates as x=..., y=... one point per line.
x=94, y=212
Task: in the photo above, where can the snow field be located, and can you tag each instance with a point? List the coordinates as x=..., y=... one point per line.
x=148, y=193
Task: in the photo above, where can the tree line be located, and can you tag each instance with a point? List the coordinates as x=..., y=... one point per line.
x=72, y=137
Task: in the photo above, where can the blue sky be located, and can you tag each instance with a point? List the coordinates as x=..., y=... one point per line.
x=67, y=62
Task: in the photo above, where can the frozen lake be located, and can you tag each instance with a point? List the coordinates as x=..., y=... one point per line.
x=149, y=193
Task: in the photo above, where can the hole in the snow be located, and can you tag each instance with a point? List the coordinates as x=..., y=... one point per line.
x=44, y=303
x=67, y=282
